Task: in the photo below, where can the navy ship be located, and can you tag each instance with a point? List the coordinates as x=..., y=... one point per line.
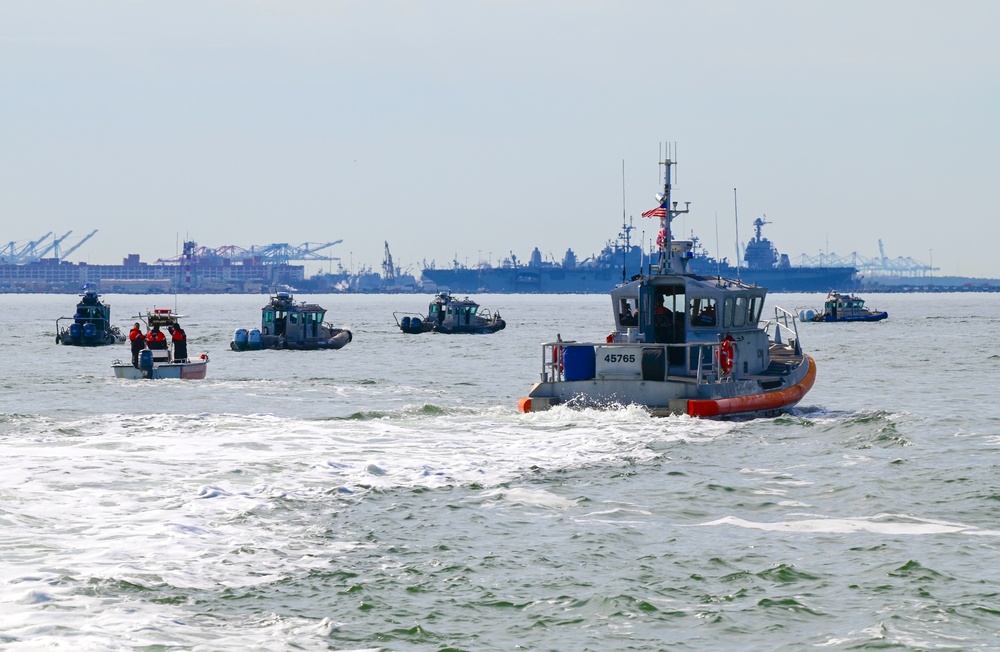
x=619, y=260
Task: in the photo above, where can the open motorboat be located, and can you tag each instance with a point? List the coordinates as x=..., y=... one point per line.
x=160, y=362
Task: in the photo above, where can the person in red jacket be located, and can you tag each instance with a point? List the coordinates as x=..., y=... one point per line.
x=179, y=338
x=156, y=339
x=138, y=341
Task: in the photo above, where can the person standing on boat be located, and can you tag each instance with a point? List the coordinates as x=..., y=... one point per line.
x=138, y=340
x=156, y=339
x=179, y=338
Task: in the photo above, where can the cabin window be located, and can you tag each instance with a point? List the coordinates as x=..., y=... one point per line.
x=756, y=304
x=293, y=318
x=268, y=317
x=734, y=312
x=628, y=314
x=702, y=312
x=740, y=311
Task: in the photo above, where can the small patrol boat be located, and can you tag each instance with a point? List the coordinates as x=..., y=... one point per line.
x=843, y=306
x=285, y=324
x=90, y=325
x=682, y=344
x=160, y=363
x=445, y=314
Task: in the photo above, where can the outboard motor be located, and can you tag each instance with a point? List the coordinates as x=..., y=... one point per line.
x=146, y=363
x=75, y=331
x=254, y=340
x=405, y=323
x=90, y=331
x=416, y=325
x=240, y=339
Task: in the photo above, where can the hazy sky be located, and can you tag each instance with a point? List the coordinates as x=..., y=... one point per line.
x=473, y=129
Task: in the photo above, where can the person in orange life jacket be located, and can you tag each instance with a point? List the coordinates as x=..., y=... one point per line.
x=138, y=341
x=179, y=339
x=155, y=339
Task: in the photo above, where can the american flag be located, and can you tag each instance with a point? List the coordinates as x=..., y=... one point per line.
x=659, y=211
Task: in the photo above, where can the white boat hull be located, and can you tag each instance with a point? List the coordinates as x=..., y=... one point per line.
x=735, y=398
x=194, y=370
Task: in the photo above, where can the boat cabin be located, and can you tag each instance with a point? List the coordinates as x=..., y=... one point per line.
x=91, y=310
x=282, y=317
x=839, y=305
x=683, y=311
x=447, y=311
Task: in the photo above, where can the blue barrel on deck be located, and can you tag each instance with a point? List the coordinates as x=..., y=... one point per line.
x=240, y=338
x=253, y=339
x=579, y=362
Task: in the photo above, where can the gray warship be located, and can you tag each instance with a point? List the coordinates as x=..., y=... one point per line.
x=619, y=260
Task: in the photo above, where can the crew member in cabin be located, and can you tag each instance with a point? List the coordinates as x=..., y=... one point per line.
x=138, y=340
x=179, y=338
x=155, y=339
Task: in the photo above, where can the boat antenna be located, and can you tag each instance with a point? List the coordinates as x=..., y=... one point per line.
x=736, y=214
x=718, y=263
x=625, y=229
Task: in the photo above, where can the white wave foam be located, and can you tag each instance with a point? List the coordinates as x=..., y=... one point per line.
x=532, y=497
x=879, y=524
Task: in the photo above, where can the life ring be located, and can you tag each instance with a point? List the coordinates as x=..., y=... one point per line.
x=727, y=355
x=557, y=358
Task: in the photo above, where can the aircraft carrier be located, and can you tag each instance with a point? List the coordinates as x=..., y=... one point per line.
x=619, y=260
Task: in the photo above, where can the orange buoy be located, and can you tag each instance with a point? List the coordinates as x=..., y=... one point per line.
x=524, y=405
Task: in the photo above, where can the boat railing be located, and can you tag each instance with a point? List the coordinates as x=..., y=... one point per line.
x=700, y=364
x=783, y=329
x=399, y=315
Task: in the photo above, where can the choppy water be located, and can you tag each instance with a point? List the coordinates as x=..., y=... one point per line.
x=388, y=496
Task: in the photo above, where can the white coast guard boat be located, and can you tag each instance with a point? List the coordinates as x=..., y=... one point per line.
x=682, y=344
x=160, y=363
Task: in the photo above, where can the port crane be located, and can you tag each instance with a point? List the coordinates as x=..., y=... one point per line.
x=280, y=253
x=388, y=269
x=35, y=250
x=881, y=265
